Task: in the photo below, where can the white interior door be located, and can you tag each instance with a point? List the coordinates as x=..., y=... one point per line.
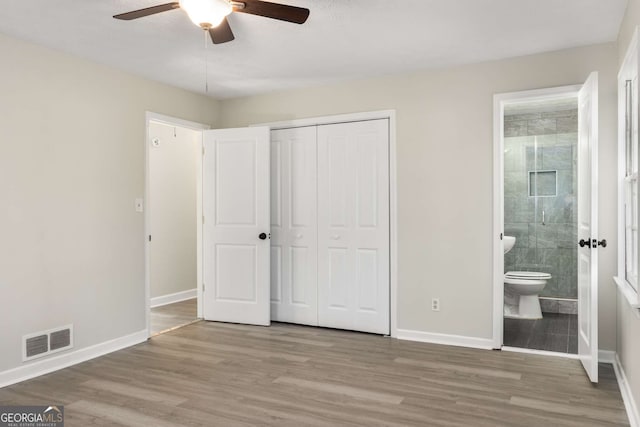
x=294, y=281
x=588, y=226
x=353, y=226
x=236, y=225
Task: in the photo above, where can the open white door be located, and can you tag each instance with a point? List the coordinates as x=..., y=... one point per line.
x=588, y=226
x=236, y=245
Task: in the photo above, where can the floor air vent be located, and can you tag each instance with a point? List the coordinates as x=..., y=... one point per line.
x=43, y=343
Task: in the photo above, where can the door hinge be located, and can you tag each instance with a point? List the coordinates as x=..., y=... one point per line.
x=203, y=151
x=500, y=236
x=203, y=287
x=203, y=219
x=149, y=237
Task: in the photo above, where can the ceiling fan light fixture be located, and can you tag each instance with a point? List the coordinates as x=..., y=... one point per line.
x=206, y=13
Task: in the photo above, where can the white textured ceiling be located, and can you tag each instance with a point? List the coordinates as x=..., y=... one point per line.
x=343, y=39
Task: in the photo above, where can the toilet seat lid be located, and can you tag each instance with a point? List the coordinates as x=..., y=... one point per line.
x=527, y=275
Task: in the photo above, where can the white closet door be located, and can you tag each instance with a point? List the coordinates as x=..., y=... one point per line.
x=294, y=226
x=353, y=226
x=235, y=198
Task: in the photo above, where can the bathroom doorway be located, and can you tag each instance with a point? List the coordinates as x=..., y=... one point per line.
x=540, y=212
x=545, y=292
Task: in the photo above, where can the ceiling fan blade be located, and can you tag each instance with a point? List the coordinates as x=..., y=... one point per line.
x=135, y=14
x=283, y=12
x=222, y=33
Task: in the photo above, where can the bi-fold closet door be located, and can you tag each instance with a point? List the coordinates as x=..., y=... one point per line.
x=330, y=225
x=294, y=226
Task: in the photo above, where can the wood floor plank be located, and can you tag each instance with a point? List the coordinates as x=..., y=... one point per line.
x=135, y=391
x=358, y=393
x=290, y=339
x=211, y=374
x=460, y=368
x=566, y=408
x=117, y=414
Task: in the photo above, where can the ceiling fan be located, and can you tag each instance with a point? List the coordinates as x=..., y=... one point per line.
x=211, y=15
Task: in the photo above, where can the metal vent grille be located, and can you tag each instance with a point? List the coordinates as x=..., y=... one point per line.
x=44, y=343
x=60, y=339
x=36, y=345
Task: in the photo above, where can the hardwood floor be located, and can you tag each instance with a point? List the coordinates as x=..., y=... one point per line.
x=171, y=316
x=212, y=374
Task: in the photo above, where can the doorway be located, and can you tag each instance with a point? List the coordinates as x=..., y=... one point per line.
x=545, y=220
x=172, y=222
x=540, y=215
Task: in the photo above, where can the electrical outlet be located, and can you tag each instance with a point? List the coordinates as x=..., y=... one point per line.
x=435, y=304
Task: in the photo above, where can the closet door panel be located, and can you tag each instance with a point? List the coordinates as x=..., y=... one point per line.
x=294, y=229
x=337, y=291
x=276, y=222
x=339, y=182
x=276, y=274
x=367, y=279
x=367, y=185
x=353, y=226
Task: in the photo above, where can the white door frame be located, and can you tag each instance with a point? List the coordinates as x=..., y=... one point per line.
x=499, y=102
x=171, y=121
x=393, y=185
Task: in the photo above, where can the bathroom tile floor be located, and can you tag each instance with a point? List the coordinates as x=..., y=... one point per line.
x=554, y=332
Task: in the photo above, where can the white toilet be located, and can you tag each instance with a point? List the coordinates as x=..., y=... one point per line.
x=521, y=294
x=521, y=289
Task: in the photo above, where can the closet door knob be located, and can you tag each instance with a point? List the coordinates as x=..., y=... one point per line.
x=584, y=243
x=262, y=236
x=603, y=243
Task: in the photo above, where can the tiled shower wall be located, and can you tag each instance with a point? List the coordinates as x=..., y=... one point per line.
x=545, y=141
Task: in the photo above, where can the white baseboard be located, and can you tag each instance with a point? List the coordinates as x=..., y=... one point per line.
x=445, y=339
x=64, y=360
x=171, y=298
x=627, y=395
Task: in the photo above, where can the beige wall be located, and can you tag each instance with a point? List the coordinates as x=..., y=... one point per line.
x=172, y=203
x=628, y=319
x=629, y=22
x=71, y=166
x=445, y=167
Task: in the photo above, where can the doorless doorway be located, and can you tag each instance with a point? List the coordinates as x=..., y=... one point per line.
x=172, y=227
